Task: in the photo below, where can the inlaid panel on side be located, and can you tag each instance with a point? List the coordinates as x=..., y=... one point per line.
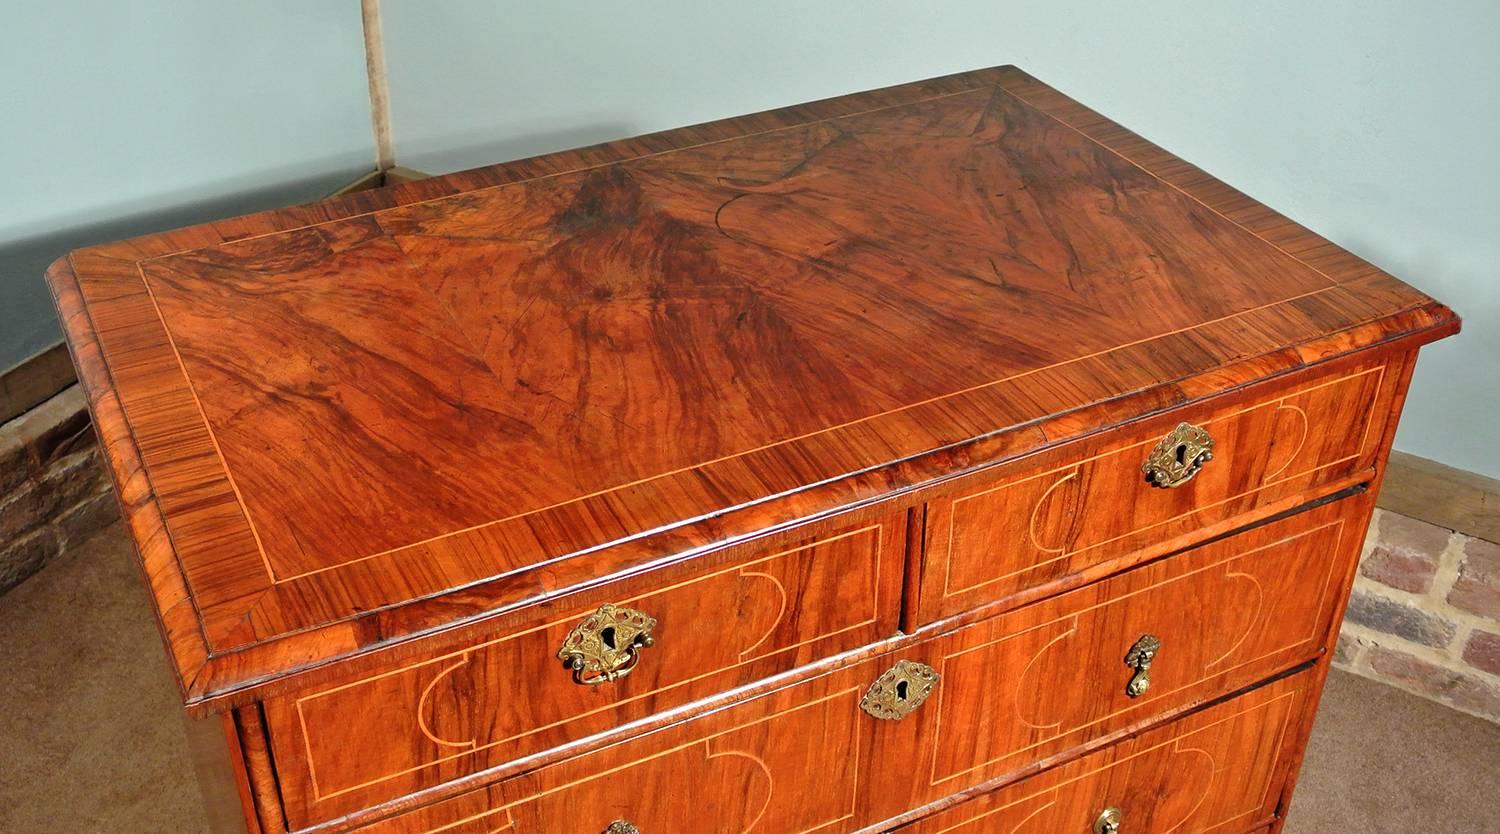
x=355, y=744
x=1047, y=677
x=1088, y=505
x=1219, y=771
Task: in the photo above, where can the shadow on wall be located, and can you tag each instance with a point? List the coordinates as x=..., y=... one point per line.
x=27, y=322
x=477, y=149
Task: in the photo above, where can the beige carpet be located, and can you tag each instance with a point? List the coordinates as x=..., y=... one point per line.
x=91, y=741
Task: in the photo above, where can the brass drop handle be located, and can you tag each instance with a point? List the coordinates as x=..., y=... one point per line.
x=1108, y=821
x=900, y=690
x=621, y=827
x=1179, y=456
x=1139, y=658
x=606, y=645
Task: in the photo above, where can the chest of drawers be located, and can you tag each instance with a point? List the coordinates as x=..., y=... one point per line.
x=938, y=458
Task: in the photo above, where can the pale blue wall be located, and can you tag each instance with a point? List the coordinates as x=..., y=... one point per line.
x=122, y=118
x=1374, y=123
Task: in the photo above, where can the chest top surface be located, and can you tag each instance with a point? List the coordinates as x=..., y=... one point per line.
x=332, y=412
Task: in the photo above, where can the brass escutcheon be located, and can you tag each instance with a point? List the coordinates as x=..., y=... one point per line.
x=900, y=690
x=1139, y=658
x=606, y=645
x=1108, y=821
x=1178, y=457
x=621, y=827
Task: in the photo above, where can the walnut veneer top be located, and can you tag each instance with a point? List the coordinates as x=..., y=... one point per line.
x=341, y=424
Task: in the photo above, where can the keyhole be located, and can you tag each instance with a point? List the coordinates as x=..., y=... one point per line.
x=901, y=688
x=1181, y=454
x=607, y=634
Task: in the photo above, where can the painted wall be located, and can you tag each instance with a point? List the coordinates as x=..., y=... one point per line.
x=1373, y=123
x=118, y=119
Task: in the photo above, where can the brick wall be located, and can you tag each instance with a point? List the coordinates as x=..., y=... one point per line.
x=53, y=489
x=1425, y=614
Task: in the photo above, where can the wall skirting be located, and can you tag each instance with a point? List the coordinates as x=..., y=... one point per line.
x=1462, y=501
x=34, y=381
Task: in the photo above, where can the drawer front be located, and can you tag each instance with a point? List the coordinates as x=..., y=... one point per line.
x=787, y=763
x=361, y=742
x=1221, y=770
x=1046, y=678
x=1013, y=691
x=1086, y=508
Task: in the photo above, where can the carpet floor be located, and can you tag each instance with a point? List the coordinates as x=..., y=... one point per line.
x=91, y=739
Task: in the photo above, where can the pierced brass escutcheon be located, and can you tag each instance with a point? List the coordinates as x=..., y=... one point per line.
x=606, y=645
x=900, y=690
x=1178, y=457
x=1139, y=658
x=621, y=827
x=1109, y=821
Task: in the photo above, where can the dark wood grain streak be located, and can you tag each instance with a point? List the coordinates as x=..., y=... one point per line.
x=343, y=426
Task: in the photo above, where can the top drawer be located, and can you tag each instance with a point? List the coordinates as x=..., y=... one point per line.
x=1081, y=510
x=363, y=741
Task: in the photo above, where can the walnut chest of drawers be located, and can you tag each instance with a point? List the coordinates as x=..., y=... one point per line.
x=941, y=458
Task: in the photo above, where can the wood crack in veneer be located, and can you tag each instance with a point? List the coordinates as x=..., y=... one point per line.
x=779, y=385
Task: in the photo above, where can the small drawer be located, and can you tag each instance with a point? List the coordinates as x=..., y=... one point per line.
x=1088, y=508
x=658, y=645
x=1222, y=770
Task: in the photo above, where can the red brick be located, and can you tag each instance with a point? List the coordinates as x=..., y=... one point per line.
x=64, y=484
x=1405, y=553
x=27, y=510
x=1482, y=651
x=75, y=478
x=1410, y=534
x=1477, y=589
x=1397, y=618
x=23, y=557
x=1402, y=569
x=30, y=442
x=1465, y=691
x=88, y=517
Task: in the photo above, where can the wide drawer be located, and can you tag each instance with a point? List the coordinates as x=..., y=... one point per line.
x=1087, y=508
x=1219, y=771
x=360, y=742
x=830, y=754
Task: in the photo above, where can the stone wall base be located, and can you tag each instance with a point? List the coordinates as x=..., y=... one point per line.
x=53, y=488
x=1425, y=614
